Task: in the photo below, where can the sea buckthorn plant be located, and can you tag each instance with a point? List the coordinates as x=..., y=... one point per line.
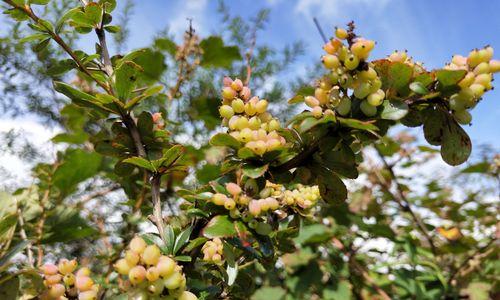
x=257, y=202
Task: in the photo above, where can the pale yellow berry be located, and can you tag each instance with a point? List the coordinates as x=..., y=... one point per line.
x=84, y=283
x=136, y=275
x=56, y=291
x=137, y=244
x=66, y=266
x=152, y=274
x=151, y=255
x=165, y=266
x=341, y=33
x=173, y=281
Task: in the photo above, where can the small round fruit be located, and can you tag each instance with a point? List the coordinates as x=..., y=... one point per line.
x=233, y=188
x=53, y=279
x=83, y=283
x=49, y=269
x=226, y=111
x=137, y=244
x=155, y=288
x=56, y=291
x=136, y=275
x=69, y=279
x=238, y=106
x=122, y=266
x=165, y=266
x=375, y=99
x=367, y=109
x=317, y=112
x=84, y=271
x=341, y=33
x=344, y=106
x=228, y=93
x=152, y=274
x=261, y=106
x=351, y=62
x=230, y=204
x=151, y=255
x=132, y=257
x=88, y=295
x=311, y=101
x=187, y=296
x=173, y=281
x=66, y=266
x=330, y=61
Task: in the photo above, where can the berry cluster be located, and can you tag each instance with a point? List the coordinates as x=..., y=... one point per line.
x=349, y=70
x=151, y=274
x=248, y=119
x=271, y=198
x=480, y=68
x=213, y=250
x=62, y=283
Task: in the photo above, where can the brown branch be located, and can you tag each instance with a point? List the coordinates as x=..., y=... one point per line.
x=39, y=228
x=23, y=235
x=157, y=210
x=97, y=194
x=368, y=279
x=402, y=201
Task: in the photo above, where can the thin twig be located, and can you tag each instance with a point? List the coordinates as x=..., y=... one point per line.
x=249, y=55
x=23, y=235
x=157, y=210
x=320, y=30
x=403, y=202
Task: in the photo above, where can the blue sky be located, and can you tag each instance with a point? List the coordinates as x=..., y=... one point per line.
x=430, y=30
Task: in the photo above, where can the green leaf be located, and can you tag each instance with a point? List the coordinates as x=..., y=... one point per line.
x=253, y=171
x=94, y=13
x=342, y=161
x=456, y=145
x=399, y=76
x=61, y=67
x=342, y=291
x=434, y=122
x=315, y=233
x=419, y=88
x=112, y=28
x=331, y=187
x=66, y=224
x=12, y=252
x=166, y=45
x=197, y=242
x=269, y=293
x=77, y=166
x=126, y=76
x=224, y=139
x=393, y=110
x=353, y=123
x=9, y=289
x=221, y=226
x=7, y=222
x=39, y=2
x=215, y=54
x=169, y=157
x=482, y=167
x=169, y=239
x=301, y=94
x=79, y=97
x=42, y=45
x=182, y=239
x=34, y=37
x=450, y=77
x=140, y=162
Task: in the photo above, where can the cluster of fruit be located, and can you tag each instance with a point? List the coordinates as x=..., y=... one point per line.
x=480, y=68
x=150, y=274
x=62, y=283
x=248, y=119
x=349, y=70
x=270, y=199
x=213, y=250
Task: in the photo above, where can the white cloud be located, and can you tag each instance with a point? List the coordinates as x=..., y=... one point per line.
x=336, y=8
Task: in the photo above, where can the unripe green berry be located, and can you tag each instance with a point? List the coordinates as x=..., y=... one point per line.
x=246, y=135
x=330, y=61
x=344, y=106
x=375, y=99
x=229, y=204
x=367, y=109
x=226, y=111
x=187, y=296
x=351, y=62
x=311, y=101
x=173, y=281
x=263, y=228
x=151, y=255
x=228, y=93
x=238, y=106
x=362, y=90
x=261, y=106
x=137, y=244
x=155, y=288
